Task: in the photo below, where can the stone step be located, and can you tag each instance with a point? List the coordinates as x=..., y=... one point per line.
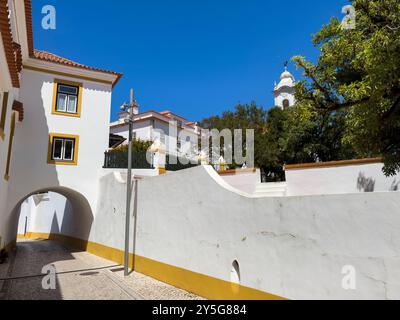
x=277, y=189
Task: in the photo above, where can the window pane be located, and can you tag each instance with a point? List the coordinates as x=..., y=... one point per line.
x=61, y=102
x=72, y=101
x=57, y=149
x=69, y=150
x=68, y=89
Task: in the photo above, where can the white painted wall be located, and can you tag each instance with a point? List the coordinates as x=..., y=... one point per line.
x=142, y=130
x=149, y=130
x=27, y=213
x=30, y=171
x=285, y=94
x=340, y=180
x=47, y=213
x=3, y=161
x=18, y=32
x=52, y=212
x=294, y=247
x=246, y=182
x=120, y=174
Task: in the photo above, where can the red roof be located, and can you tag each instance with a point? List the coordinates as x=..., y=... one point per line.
x=51, y=57
x=169, y=114
x=6, y=38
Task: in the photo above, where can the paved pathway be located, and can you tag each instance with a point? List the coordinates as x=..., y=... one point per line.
x=80, y=276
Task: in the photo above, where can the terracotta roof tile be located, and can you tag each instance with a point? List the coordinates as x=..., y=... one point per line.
x=28, y=21
x=51, y=57
x=6, y=36
x=165, y=112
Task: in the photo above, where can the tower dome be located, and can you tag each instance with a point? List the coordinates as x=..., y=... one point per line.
x=284, y=90
x=286, y=75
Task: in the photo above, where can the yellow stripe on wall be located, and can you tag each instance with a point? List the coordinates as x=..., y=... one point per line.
x=200, y=284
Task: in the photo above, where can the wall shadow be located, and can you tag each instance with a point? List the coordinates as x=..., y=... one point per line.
x=365, y=184
x=134, y=222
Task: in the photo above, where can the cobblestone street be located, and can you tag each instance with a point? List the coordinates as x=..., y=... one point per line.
x=79, y=276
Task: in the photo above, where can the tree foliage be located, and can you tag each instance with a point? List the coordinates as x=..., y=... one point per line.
x=137, y=146
x=248, y=116
x=348, y=104
x=295, y=135
x=358, y=71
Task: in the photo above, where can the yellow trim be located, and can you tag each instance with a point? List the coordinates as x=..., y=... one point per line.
x=200, y=284
x=74, y=162
x=54, y=103
x=340, y=163
x=237, y=171
x=162, y=171
x=63, y=74
x=3, y=115
x=10, y=144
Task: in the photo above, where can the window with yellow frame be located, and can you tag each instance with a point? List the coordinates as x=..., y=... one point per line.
x=67, y=98
x=63, y=149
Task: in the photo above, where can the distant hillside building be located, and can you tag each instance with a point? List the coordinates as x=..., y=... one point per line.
x=152, y=125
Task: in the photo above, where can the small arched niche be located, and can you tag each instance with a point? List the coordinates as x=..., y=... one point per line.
x=286, y=104
x=235, y=272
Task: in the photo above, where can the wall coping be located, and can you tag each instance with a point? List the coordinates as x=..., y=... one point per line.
x=330, y=164
x=236, y=171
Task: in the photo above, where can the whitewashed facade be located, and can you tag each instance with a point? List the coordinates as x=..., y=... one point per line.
x=179, y=136
x=54, y=129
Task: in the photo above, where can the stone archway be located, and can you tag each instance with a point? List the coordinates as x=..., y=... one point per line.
x=70, y=222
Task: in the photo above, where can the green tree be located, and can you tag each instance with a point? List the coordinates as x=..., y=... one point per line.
x=245, y=116
x=358, y=71
x=270, y=157
x=311, y=136
x=295, y=135
x=137, y=145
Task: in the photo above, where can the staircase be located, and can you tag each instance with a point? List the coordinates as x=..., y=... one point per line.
x=271, y=189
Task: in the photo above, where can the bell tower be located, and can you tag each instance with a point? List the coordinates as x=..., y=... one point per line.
x=284, y=91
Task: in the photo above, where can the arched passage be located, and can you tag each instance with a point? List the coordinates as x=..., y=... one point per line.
x=57, y=213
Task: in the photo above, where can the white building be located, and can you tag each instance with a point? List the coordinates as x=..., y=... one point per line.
x=284, y=91
x=54, y=124
x=179, y=136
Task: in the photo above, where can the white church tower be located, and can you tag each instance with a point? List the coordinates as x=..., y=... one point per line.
x=284, y=91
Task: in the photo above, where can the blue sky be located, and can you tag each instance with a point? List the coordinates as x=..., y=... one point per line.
x=194, y=57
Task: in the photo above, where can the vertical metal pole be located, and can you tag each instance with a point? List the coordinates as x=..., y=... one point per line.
x=128, y=188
